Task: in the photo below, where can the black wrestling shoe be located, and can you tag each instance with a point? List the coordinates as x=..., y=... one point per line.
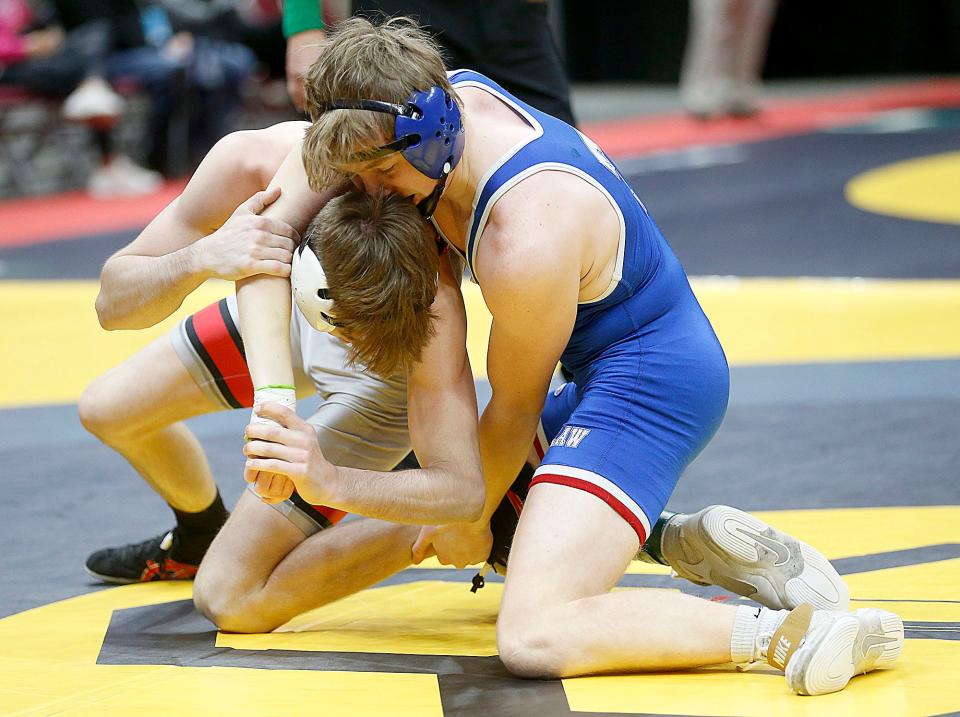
x=140, y=562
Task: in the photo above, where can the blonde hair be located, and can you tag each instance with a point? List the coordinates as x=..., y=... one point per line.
x=363, y=61
x=381, y=262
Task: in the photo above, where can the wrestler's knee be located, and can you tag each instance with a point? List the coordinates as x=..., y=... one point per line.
x=231, y=608
x=99, y=410
x=529, y=647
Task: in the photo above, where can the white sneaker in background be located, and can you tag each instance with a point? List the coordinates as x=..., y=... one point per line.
x=93, y=99
x=121, y=177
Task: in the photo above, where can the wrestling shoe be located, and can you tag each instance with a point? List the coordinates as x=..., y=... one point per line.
x=838, y=646
x=726, y=547
x=140, y=562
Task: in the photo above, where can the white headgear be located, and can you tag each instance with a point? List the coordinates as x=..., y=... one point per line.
x=311, y=290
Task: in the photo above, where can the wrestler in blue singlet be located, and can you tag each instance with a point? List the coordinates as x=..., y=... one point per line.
x=650, y=379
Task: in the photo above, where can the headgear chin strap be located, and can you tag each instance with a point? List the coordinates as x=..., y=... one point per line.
x=429, y=134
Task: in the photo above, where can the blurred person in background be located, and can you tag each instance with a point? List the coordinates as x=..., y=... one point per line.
x=258, y=25
x=726, y=49
x=135, y=64
x=199, y=35
x=509, y=41
x=38, y=55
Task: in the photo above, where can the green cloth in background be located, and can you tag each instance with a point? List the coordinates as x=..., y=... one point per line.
x=302, y=15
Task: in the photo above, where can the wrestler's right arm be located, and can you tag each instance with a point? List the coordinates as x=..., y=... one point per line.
x=213, y=229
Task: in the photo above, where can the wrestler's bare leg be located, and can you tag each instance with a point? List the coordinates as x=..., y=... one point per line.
x=261, y=571
x=558, y=617
x=137, y=408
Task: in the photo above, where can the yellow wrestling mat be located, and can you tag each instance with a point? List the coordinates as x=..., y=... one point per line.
x=926, y=188
x=57, y=347
x=141, y=650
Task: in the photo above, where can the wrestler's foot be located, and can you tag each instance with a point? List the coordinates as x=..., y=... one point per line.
x=726, y=547
x=839, y=645
x=140, y=562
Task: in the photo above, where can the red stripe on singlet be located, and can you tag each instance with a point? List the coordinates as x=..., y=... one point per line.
x=331, y=514
x=515, y=501
x=215, y=336
x=600, y=493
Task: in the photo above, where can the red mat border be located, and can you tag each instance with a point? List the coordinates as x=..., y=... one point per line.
x=780, y=118
x=77, y=214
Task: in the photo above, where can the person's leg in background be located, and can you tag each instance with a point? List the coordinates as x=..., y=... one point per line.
x=705, y=73
x=751, y=52
x=518, y=50
x=726, y=47
x=77, y=72
x=117, y=174
x=163, y=80
x=217, y=75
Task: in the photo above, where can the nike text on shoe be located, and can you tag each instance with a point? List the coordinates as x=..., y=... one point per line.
x=724, y=546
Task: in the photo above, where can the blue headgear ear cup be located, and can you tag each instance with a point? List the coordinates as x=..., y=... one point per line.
x=428, y=129
x=436, y=120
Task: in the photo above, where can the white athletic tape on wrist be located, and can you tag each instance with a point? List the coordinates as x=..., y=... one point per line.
x=284, y=396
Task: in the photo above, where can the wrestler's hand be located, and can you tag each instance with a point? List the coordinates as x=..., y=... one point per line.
x=459, y=545
x=249, y=244
x=286, y=450
x=302, y=50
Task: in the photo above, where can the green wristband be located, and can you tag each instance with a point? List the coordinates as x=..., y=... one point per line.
x=276, y=385
x=302, y=15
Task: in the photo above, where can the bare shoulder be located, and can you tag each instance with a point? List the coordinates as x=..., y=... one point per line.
x=241, y=164
x=549, y=195
x=537, y=224
x=260, y=152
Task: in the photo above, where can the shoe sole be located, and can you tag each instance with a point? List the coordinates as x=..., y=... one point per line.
x=833, y=654
x=744, y=540
x=879, y=640
x=824, y=662
x=126, y=581
x=110, y=578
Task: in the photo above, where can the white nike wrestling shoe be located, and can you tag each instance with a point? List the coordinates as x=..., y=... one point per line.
x=838, y=646
x=724, y=546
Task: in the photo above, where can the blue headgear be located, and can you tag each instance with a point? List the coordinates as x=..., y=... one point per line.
x=428, y=129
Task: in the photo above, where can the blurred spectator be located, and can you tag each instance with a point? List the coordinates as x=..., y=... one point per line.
x=726, y=49
x=136, y=66
x=257, y=24
x=39, y=56
x=197, y=34
x=510, y=41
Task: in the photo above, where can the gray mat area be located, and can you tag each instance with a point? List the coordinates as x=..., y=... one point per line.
x=809, y=436
x=777, y=208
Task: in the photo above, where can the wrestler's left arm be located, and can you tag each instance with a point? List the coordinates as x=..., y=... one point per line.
x=532, y=295
x=264, y=301
x=264, y=306
x=442, y=414
x=528, y=266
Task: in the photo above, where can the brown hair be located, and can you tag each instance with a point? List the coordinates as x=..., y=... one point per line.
x=363, y=61
x=381, y=263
